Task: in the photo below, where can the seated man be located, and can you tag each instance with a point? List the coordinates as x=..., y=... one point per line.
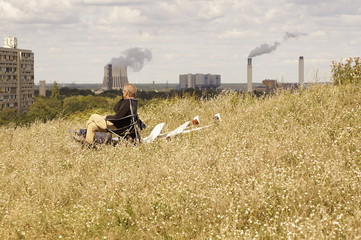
x=98, y=123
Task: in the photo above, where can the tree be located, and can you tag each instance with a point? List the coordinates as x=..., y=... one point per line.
x=55, y=91
x=345, y=72
x=45, y=108
x=7, y=115
x=82, y=103
x=67, y=92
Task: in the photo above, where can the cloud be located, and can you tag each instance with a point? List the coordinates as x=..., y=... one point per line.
x=8, y=11
x=122, y=15
x=113, y=2
x=232, y=34
x=325, y=8
x=43, y=11
x=163, y=14
x=53, y=50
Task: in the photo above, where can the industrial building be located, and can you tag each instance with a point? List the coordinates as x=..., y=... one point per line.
x=199, y=81
x=270, y=85
x=115, y=77
x=16, y=76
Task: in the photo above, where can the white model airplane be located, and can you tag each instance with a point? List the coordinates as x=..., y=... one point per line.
x=184, y=128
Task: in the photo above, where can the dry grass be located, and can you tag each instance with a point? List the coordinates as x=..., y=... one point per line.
x=284, y=167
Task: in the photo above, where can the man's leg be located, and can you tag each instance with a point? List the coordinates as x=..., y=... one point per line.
x=90, y=132
x=96, y=123
x=99, y=120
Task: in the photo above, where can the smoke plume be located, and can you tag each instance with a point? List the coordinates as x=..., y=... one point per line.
x=266, y=48
x=289, y=35
x=133, y=58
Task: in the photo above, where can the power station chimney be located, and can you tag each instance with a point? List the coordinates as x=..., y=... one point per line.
x=301, y=71
x=249, y=75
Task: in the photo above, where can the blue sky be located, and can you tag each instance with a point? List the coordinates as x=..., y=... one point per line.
x=74, y=39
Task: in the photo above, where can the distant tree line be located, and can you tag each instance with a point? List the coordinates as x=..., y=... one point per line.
x=57, y=102
x=62, y=102
x=66, y=91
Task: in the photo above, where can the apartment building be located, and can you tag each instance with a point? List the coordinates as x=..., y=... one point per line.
x=16, y=76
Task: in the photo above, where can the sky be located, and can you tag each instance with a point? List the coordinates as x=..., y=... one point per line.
x=74, y=39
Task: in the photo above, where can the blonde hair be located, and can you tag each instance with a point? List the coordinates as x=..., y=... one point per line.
x=130, y=89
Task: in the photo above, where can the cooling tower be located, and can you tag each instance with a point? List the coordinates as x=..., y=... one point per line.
x=120, y=77
x=108, y=79
x=249, y=75
x=115, y=77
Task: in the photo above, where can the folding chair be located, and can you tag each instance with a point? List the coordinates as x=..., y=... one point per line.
x=130, y=132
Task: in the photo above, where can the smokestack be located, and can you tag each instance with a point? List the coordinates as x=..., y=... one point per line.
x=301, y=71
x=249, y=75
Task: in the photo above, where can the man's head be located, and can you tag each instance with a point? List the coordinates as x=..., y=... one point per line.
x=129, y=90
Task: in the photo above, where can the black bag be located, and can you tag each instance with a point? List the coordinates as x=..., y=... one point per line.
x=100, y=137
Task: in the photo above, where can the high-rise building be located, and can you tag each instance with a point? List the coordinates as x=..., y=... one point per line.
x=16, y=76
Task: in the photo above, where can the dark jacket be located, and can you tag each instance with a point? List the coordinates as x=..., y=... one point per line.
x=122, y=109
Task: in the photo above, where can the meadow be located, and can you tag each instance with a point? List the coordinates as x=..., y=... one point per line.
x=286, y=166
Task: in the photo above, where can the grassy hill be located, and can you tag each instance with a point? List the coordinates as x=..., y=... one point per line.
x=284, y=167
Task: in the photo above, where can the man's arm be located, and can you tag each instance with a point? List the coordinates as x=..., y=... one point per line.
x=117, y=105
x=122, y=110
